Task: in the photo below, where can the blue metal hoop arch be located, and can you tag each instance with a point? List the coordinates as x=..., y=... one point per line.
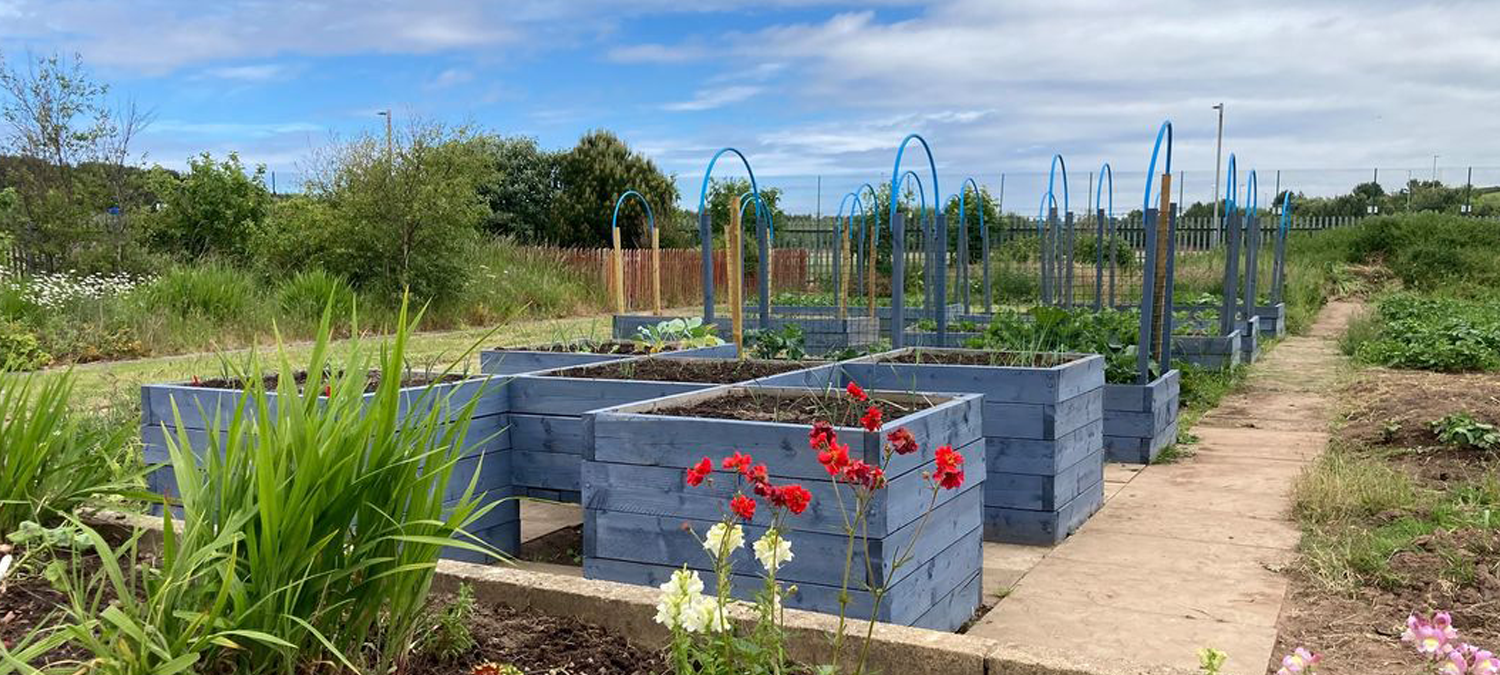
x=705, y=227
x=650, y=217
x=898, y=263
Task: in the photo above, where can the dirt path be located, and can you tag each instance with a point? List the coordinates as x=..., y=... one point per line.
x=1187, y=555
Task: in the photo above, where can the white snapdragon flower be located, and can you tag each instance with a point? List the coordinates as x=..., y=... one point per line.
x=679, y=606
x=773, y=550
x=711, y=617
x=722, y=537
x=5, y=564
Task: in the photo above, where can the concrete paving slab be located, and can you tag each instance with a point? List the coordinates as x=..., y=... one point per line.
x=1139, y=516
x=1168, y=556
x=541, y=518
x=1121, y=473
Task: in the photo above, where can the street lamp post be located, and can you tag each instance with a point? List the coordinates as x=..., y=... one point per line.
x=387, y=115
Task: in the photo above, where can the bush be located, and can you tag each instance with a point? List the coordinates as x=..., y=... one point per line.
x=20, y=350
x=211, y=291
x=213, y=209
x=1427, y=333
x=305, y=295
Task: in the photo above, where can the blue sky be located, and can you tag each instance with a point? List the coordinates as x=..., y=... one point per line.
x=1322, y=90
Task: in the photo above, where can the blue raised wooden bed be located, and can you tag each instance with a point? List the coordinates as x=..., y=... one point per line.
x=825, y=334
x=517, y=361
x=487, y=451
x=1208, y=351
x=1140, y=420
x=636, y=502
x=1249, y=339
x=952, y=339
x=1272, y=319
x=546, y=417
x=1043, y=431
x=883, y=314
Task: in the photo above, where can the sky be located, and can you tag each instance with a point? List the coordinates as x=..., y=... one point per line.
x=818, y=94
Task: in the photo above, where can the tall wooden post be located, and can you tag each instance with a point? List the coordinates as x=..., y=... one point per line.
x=848, y=271
x=655, y=272
x=619, y=274
x=734, y=264
x=870, y=259
x=1159, y=283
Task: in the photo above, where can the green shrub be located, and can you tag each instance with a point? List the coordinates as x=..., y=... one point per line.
x=49, y=461
x=19, y=348
x=211, y=291
x=305, y=295
x=1111, y=333
x=1431, y=333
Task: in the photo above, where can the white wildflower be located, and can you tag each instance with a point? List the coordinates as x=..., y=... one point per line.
x=773, y=550
x=680, y=600
x=722, y=537
x=5, y=564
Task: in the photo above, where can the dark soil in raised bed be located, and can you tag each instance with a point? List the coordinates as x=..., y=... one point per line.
x=706, y=371
x=559, y=547
x=371, y=383
x=590, y=347
x=835, y=408
x=950, y=357
x=539, y=643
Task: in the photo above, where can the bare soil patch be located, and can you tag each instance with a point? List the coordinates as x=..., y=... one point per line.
x=982, y=358
x=372, y=381
x=834, y=408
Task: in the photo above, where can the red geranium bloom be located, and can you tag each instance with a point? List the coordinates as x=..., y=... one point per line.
x=835, y=458
x=864, y=475
x=794, y=497
x=950, y=473
x=742, y=506
x=738, y=462
x=872, y=419
x=757, y=473
x=821, y=436
x=696, y=474
x=856, y=392
x=902, y=441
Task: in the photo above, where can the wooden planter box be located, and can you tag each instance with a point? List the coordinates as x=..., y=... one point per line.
x=1043, y=432
x=953, y=339
x=517, y=361
x=636, y=502
x=1141, y=420
x=883, y=314
x=1250, y=339
x=1272, y=319
x=823, y=335
x=546, y=418
x=627, y=326
x=487, y=451
x=1208, y=351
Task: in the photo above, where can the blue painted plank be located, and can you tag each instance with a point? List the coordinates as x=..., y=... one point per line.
x=547, y=433
x=548, y=470
x=1043, y=457
x=574, y=396
x=1042, y=422
x=1020, y=526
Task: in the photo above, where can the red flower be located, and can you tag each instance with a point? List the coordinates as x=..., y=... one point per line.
x=742, y=506
x=864, y=475
x=737, y=462
x=821, y=436
x=196, y=381
x=835, y=458
x=902, y=441
x=950, y=473
x=794, y=497
x=696, y=474
x=757, y=473
x=872, y=419
x=856, y=392
x=327, y=391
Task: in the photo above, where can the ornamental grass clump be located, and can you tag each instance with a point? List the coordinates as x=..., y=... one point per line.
x=50, y=462
x=308, y=534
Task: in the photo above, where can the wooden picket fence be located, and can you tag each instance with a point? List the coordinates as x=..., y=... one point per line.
x=681, y=273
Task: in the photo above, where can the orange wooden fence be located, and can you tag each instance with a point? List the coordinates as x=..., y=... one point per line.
x=681, y=273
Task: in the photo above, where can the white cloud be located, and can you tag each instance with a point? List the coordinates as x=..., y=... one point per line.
x=263, y=72
x=718, y=97
x=451, y=77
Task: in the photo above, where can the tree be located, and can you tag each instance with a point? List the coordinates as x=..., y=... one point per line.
x=405, y=215
x=215, y=209
x=75, y=149
x=524, y=188
x=591, y=177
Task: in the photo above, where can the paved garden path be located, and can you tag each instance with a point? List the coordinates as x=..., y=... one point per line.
x=1185, y=555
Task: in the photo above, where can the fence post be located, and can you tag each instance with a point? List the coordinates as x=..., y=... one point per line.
x=898, y=279
x=735, y=256
x=1159, y=287
x=706, y=243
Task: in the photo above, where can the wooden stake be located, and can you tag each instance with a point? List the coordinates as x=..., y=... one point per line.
x=734, y=264
x=619, y=274
x=655, y=272
x=870, y=259
x=846, y=265
x=1159, y=292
